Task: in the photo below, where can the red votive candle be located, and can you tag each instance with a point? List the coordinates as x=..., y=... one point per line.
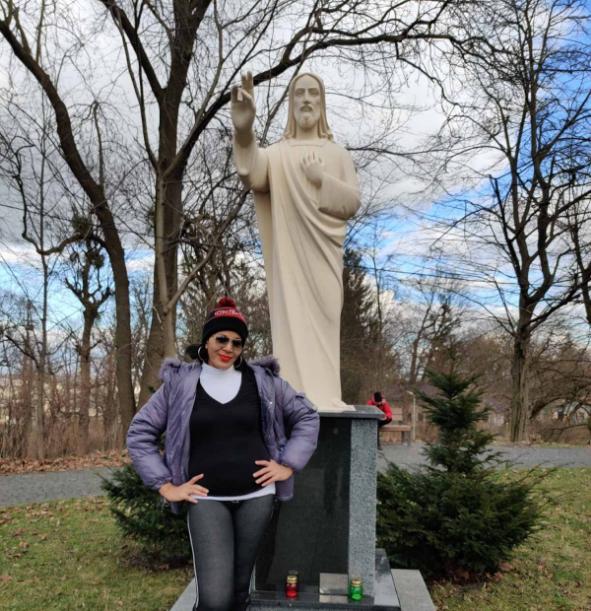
x=291, y=585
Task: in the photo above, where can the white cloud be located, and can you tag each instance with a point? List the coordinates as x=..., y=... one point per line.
x=140, y=261
x=19, y=254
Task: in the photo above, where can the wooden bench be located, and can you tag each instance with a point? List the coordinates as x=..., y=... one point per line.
x=395, y=433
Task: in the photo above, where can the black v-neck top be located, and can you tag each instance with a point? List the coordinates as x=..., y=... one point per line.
x=226, y=439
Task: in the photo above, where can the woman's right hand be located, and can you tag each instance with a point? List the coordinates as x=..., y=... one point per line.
x=184, y=492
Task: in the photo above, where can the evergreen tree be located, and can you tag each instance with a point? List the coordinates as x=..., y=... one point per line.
x=458, y=516
x=358, y=329
x=461, y=447
x=143, y=517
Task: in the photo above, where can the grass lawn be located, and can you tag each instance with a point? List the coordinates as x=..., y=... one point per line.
x=66, y=555
x=551, y=571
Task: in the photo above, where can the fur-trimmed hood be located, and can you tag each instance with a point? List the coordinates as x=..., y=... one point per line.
x=172, y=365
x=268, y=362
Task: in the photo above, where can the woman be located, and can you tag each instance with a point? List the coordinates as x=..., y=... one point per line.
x=235, y=434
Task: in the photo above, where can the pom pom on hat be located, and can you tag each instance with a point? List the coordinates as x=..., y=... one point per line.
x=226, y=302
x=225, y=317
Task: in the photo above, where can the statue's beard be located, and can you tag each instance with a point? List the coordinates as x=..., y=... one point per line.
x=308, y=120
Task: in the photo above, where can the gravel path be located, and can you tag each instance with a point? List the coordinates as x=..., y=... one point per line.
x=46, y=486
x=39, y=487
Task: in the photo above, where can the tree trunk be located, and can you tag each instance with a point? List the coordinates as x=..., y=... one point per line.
x=106, y=398
x=160, y=344
x=36, y=441
x=520, y=386
x=162, y=337
x=25, y=417
x=84, y=402
x=412, y=376
x=168, y=202
x=123, y=344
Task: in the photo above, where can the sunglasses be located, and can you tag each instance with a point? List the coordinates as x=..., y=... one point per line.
x=222, y=340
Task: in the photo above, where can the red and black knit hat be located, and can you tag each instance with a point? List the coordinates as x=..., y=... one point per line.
x=225, y=317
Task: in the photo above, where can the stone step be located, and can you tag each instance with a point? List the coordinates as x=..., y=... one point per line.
x=410, y=594
x=412, y=591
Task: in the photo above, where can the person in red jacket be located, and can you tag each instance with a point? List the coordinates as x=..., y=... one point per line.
x=380, y=402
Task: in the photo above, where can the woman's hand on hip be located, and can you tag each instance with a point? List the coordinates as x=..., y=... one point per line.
x=184, y=492
x=271, y=472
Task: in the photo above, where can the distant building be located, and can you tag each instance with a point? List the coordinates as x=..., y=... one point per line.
x=574, y=412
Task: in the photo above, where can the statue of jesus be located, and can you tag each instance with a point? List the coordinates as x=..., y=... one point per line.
x=305, y=188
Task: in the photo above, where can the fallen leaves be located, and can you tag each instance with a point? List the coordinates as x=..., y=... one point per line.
x=5, y=518
x=114, y=458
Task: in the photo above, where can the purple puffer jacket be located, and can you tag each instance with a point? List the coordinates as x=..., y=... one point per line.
x=290, y=425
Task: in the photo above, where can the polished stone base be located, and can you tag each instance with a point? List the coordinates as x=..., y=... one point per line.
x=329, y=525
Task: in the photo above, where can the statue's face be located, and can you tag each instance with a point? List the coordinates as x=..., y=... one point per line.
x=306, y=102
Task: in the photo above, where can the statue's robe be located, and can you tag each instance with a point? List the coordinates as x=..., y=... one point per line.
x=302, y=229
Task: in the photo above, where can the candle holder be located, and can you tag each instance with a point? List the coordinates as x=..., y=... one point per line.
x=291, y=585
x=356, y=588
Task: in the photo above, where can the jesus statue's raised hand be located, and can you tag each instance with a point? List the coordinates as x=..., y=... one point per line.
x=243, y=106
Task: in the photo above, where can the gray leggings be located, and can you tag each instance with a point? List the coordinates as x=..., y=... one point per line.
x=225, y=537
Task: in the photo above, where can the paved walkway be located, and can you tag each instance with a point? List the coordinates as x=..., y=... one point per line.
x=39, y=487
x=46, y=486
x=525, y=456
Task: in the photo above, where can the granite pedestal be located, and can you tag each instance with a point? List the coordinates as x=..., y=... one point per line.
x=328, y=529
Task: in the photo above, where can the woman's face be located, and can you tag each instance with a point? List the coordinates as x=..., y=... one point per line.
x=223, y=349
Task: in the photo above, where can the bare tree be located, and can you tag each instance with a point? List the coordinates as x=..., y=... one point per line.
x=428, y=317
x=27, y=169
x=531, y=108
x=560, y=369
x=26, y=36
x=88, y=287
x=18, y=359
x=579, y=222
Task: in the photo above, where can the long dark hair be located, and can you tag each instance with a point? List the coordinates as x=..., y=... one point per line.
x=192, y=353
